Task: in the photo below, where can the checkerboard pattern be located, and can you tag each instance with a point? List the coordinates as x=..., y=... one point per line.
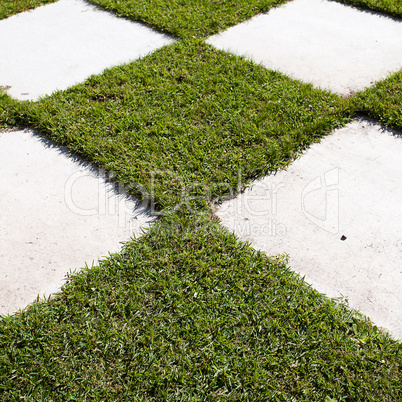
x=331, y=46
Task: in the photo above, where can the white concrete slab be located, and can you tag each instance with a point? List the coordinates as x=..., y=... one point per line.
x=325, y=43
x=60, y=44
x=347, y=185
x=56, y=213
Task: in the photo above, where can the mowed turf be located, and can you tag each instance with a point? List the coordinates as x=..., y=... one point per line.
x=193, y=18
x=9, y=111
x=188, y=313
x=383, y=102
x=186, y=19
x=190, y=18
x=391, y=7
x=200, y=18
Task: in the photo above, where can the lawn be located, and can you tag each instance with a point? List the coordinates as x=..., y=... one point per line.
x=190, y=123
x=187, y=311
x=383, y=102
x=391, y=7
x=193, y=18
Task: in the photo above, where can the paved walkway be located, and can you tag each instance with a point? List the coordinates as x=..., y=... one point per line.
x=50, y=227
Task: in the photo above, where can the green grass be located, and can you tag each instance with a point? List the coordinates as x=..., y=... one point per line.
x=10, y=115
x=188, y=18
x=188, y=313
x=391, y=7
x=383, y=102
x=183, y=18
x=200, y=18
x=188, y=122
x=192, y=18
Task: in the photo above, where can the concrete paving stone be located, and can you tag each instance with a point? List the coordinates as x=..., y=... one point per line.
x=337, y=212
x=56, y=213
x=325, y=43
x=58, y=45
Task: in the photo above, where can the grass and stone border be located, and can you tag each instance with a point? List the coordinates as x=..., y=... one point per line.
x=187, y=312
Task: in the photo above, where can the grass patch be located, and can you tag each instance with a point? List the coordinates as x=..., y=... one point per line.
x=189, y=313
x=188, y=18
x=10, y=113
x=190, y=123
x=392, y=7
x=192, y=18
x=383, y=101
x=10, y=7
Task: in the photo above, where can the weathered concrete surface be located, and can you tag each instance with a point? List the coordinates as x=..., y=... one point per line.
x=347, y=185
x=60, y=44
x=328, y=44
x=55, y=214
